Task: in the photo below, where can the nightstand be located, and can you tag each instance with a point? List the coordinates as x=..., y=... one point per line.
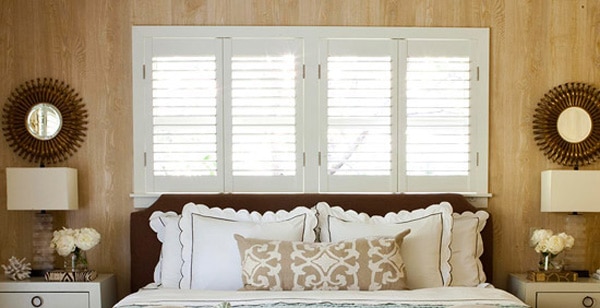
x=583, y=293
x=36, y=292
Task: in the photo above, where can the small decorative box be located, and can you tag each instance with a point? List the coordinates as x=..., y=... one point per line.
x=551, y=276
x=70, y=276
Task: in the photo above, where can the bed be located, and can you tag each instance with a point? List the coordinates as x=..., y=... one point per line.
x=312, y=250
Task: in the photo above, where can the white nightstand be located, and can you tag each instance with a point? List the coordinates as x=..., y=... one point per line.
x=35, y=292
x=583, y=293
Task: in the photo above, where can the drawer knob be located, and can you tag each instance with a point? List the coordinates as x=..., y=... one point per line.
x=37, y=301
x=587, y=302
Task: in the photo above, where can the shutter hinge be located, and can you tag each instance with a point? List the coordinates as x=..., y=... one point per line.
x=319, y=158
x=319, y=71
x=143, y=71
x=478, y=73
x=303, y=71
x=145, y=162
x=477, y=159
x=304, y=159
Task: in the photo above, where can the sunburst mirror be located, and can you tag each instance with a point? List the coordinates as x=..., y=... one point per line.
x=44, y=121
x=566, y=124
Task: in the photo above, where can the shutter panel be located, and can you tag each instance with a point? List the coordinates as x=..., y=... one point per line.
x=438, y=115
x=266, y=95
x=185, y=151
x=359, y=115
x=184, y=116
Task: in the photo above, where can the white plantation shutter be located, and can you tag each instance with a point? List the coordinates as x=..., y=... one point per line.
x=438, y=115
x=184, y=76
x=266, y=96
x=360, y=94
x=310, y=109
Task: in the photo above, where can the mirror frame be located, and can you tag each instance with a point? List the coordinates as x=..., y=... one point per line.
x=545, y=124
x=62, y=97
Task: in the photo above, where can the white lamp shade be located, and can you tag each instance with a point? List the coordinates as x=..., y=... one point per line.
x=570, y=191
x=41, y=189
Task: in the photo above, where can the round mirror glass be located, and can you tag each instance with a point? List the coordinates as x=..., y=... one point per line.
x=44, y=121
x=574, y=124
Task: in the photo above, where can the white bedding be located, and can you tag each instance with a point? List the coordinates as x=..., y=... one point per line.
x=427, y=297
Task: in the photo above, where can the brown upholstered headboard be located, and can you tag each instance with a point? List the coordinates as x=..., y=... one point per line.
x=145, y=248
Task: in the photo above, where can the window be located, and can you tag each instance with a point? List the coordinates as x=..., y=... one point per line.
x=310, y=109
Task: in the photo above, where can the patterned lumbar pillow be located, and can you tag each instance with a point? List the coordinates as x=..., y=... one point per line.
x=371, y=264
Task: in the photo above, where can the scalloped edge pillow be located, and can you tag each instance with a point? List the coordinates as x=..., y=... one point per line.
x=425, y=251
x=467, y=248
x=167, y=272
x=211, y=260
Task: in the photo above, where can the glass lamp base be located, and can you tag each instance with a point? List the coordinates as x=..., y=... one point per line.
x=43, y=254
x=576, y=256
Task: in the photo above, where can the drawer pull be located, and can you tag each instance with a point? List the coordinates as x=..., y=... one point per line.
x=37, y=301
x=587, y=302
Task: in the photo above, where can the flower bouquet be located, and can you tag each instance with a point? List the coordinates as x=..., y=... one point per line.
x=74, y=243
x=549, y=245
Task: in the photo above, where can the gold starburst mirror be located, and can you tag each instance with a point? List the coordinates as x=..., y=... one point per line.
x=566, y=124
x=44, y=121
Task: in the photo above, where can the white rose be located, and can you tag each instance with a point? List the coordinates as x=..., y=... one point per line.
x=63, y=241
x=87, y=238
x=555, y=244
x=538, y=236
x=542, y=246
x=569, y=240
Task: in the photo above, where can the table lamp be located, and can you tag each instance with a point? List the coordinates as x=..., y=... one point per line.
x=574, y=191
x=41, y=189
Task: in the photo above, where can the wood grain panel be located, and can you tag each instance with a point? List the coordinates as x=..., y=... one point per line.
x=535, y=45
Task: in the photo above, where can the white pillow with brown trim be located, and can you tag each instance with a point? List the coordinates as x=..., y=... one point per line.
x=372, y=264
x=210, y=258
x=168, y=269
x=467, y=248
x=426, y=250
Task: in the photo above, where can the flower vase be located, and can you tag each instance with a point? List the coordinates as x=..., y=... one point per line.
x=76, y=261
x=545, y=263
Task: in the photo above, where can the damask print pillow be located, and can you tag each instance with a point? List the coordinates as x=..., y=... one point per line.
x=372, y=264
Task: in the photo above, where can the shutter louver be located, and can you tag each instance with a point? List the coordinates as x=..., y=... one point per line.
x=359, y=115
x=263, y=101
x=438, y=112
x=184, y=102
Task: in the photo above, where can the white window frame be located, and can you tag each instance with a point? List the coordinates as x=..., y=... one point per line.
x=311, y=137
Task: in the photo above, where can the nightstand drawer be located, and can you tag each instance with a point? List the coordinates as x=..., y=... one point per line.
x=45, y=300
x=568, y=299
x=585, y=292
x=100, y=293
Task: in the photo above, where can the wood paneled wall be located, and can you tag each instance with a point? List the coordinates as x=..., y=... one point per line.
x=535, y=45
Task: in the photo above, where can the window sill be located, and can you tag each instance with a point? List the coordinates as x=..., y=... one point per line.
x=144, y=200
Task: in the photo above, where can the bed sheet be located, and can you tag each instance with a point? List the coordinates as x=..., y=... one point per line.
x=154, y=297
